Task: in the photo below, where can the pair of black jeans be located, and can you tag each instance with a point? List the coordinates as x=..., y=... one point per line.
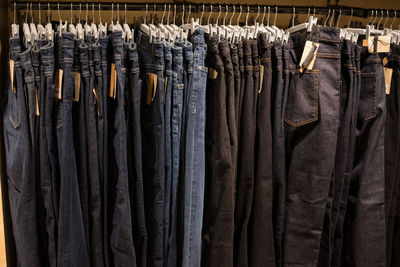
x=219, y=206
x=19, y=159
x=311, y=125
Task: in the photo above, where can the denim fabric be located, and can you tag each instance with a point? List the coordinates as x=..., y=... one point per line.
x=80, y=138
x=168, y=145
x=366, y=204
x=261, y=234
x=135, y=159
x=120, y=232
x=311, y=126
x=176, y=131
x=49, y=165
x=72, y=249
x=280, y=73
x=20, y=168
x=239, y=97
x=219, y=199
x=236, y=76
x=339, y=229
x=246, y=168
x=153, y=145
x=102, y=128
x=194, y=169
x=95, y=201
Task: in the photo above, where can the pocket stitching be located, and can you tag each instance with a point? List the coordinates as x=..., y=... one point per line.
x=315, y=117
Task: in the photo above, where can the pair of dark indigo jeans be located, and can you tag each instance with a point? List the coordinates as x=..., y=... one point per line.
x=365, y=211
x=153, y=144
x=20, y=168
x=311, y=126
x=120, y=226
x=72, y=247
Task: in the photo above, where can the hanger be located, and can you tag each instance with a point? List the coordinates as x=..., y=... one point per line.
x=118, y=26
x=41, y=30
x=127, y=29
x=49, y=27
x=15, y=27
x=111, y=26
x=327, y=17
x=102, y=28
x=71, y=26
x=93, y=25
x=307, y=25
x=189, y=26
x=308, y=15
x=79, y=27
x=338, y=19
x=169, y=27
x=144, y=27
x=32, y=26
x=25, y=28
x=87, y=28
x=333, y=15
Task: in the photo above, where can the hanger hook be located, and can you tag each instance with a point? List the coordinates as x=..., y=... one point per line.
x=226, y=13
x=379, y=22
x=48, y=12
x=395, y=15
x=93, y=12
x=370, y=17
x=58, y=10
x=387, y=17
x=333, y=16
x=169, y=12
x=276, y=15
x=263, y=17
x=351, y=16
x=308, y=15
x=247, y=15
x=154, y=11
x=125, y=14
x=314, y=13
x=117, y=13
x=201, y=16
x=40, y=15
x=183, y=14
x=327, y=17
x=71, y=12
x=269, y=15
x=376, y=16
x=99, y=13
x=145, y=14
x=26, y=13
x=190, y=12
x=163, y=14
x=15, y=9
x=174, y=13
x=258, y=14
x=240, y=14
x=87, y=10
x=293, y=15
x=31, y=13
x=219, y=13
x=338, y=19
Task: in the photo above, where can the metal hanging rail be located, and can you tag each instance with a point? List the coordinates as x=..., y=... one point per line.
x=196, y=7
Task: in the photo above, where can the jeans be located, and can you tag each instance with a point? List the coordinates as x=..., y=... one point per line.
x=261, y=228
x=366, y=203
x=311, y=126
x=219, y=199
x=20, y=168
x=194, y=169
x=245, y=168
x=121, y=236
x=72, y=249
x=176, y=133
x=153, y=145
x=135, y=157
x=168, y=145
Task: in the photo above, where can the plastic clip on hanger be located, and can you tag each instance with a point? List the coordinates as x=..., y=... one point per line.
x=49, y=27
x=61, y=27
x=93, y=25
x=71, y=26
x=14, y=26
x=88, y=29
x=32, y=26
x=111, y=26
x=102, y=28
x=127, y=30
x=41, y=30
x=79, y=27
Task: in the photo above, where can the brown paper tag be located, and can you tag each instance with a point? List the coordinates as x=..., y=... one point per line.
x=37, y=102
x=77, y=76
x=151, y=87
x=58, y=84
x=113, y=82
x=12, y=64
x=165, y=88
x=261, y=78
x=96, y=95
x=365, y=42
x=385, y=61
x=388, y=79
x=212, y=74
x=383, y=44
x=307, y=59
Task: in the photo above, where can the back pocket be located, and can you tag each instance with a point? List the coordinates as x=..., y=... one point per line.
x=367, y=105
x=302, y=99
